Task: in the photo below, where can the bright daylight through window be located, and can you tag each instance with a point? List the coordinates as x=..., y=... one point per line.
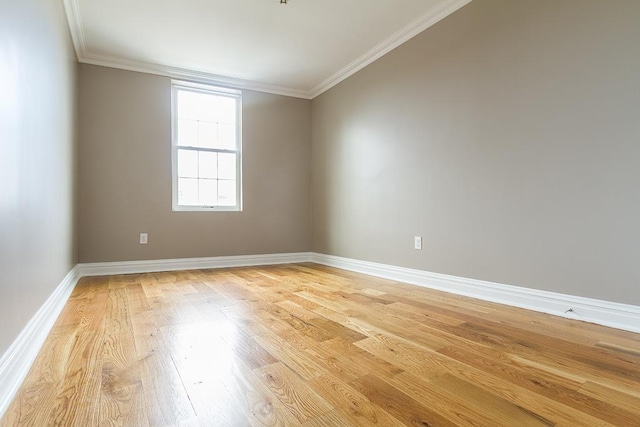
x=206, y=148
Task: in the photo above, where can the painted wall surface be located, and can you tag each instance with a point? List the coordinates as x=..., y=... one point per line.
x=507, y=136
x=37, y=112
x=125, y=175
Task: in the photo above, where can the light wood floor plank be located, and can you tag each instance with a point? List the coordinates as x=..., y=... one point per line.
x=310, y=345
x=293, y=392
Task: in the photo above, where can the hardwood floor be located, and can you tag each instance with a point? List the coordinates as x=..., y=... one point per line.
x=315, y=346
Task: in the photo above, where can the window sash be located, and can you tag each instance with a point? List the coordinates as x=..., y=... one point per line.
x=175, y=148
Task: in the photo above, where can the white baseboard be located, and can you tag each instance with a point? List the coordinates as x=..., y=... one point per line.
x=615, y=315
x=150, y=266
x=17, y=360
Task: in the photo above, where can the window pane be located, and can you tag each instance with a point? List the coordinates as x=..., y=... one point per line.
x=206, y=121
x=187, y=164
x=227, y=108
x=226, y=166
x=187, y=105
x=188, y=191
x=187, y=132
x=208, y=165
x=208, y=192
x=226, y=137
x=208, y=107
x=208, y=134
x=226, y=193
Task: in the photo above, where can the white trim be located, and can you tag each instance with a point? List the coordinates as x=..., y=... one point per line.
x=190, y=75
x=615, y=315
x=17, y=360
x=431, y=17
x=236, y=95
x=149, y=266
x=76, y=30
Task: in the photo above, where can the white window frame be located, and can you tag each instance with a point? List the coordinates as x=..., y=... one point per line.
x=177, y=85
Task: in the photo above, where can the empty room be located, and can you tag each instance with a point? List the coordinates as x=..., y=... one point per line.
x=320, y=213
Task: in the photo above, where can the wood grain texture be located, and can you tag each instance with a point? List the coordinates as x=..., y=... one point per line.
x=309, y=345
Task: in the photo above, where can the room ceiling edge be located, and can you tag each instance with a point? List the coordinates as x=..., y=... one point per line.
x=433, y=16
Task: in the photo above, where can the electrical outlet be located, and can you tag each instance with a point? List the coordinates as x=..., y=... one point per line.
x=417, y=242
x=144, y=238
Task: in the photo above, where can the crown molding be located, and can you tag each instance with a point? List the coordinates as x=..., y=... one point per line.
x=74, y=21
x=190, y=75
x=431, y=17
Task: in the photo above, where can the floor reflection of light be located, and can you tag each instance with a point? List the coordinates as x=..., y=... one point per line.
x=205, y=359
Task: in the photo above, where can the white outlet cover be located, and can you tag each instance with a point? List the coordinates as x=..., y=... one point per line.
x=144, y=237
x=417, y=242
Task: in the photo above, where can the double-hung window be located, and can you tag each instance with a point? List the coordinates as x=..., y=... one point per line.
x=206, y=148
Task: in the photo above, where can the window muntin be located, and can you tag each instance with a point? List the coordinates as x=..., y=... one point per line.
x=206, y=148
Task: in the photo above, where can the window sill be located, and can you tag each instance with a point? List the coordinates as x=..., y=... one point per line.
x=206, y=209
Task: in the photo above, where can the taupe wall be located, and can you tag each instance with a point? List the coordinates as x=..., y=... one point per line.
x=36, y=159
x=507, y=135
x=125, y=175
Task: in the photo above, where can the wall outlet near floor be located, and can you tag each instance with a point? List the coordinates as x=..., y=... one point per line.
x=417, y=242
x=144, y=238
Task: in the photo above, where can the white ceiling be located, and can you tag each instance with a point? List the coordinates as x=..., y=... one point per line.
x=299, y=49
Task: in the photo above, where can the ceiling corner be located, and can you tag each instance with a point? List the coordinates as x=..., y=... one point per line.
x=440, y=11
x=74, y=23
x=191, y=75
